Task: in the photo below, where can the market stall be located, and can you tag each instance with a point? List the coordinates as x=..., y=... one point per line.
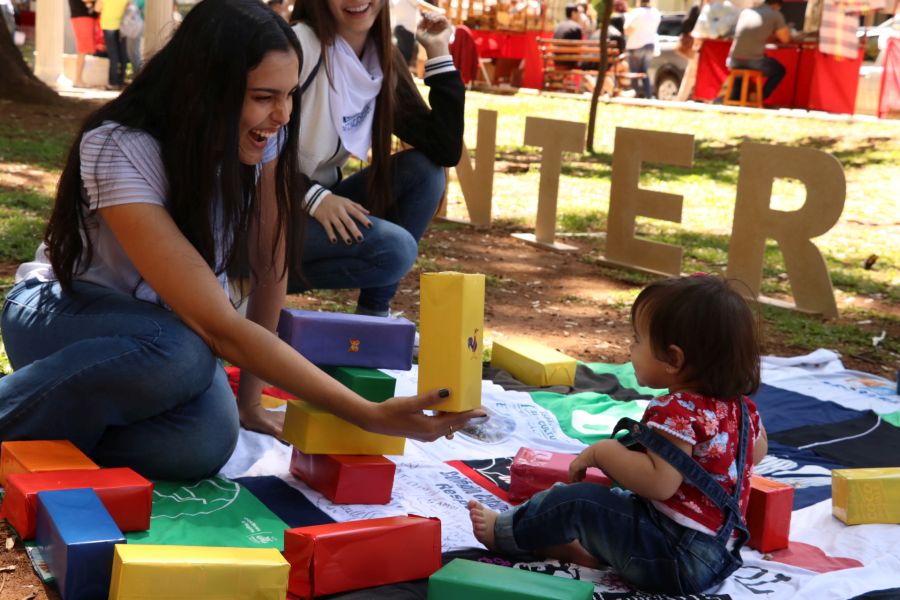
x=506, y=32
x=822, y=71
x=813, y=80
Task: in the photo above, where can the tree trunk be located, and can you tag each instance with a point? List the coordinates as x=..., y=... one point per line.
x=601, y=72
x=18, y=83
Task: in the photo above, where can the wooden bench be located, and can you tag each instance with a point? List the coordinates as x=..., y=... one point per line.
x=567, y=62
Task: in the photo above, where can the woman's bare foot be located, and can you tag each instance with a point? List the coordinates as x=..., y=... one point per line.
x=483, y=520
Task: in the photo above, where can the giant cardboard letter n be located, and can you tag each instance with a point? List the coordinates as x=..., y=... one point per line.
x=755, y=221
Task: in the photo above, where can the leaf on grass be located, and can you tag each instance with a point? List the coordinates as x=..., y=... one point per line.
x=879, y=338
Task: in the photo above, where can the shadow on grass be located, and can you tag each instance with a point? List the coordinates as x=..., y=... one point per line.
x=707, y=252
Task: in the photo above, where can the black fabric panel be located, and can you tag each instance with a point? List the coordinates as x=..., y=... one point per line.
x=288, y=504
x=891, y=594
x=864, y=442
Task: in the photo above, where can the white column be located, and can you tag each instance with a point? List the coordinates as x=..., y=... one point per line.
x=158, y=25
x=49, y=36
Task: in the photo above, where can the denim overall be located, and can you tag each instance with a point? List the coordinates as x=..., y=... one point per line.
x=645, y=547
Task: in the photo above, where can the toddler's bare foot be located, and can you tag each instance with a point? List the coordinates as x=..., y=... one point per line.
x=483, y=520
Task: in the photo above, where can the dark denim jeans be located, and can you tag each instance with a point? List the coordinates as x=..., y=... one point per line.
x=619, y=528
x=388, y=250
x=125, y=380
x=772, y=70
x=118, y=56
x=639, y=62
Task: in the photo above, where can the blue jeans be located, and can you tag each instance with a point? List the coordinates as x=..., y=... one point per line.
x=772, y=70
x=389, y=248
x=639, y=62
x=118, y=56
x=621, y=529
x=133, y=47
x=125, y=380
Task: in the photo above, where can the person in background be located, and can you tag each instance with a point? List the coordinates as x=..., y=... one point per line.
x=405, y=14
x=133, y=45
x=571, y=28
x=365, y=228
x=587, y=16
x=83, y=20
x=756, y=27
x=111, y=13
x=689, y=49
x=641, y=41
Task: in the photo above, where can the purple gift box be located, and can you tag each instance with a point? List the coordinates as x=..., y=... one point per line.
x=344, y=340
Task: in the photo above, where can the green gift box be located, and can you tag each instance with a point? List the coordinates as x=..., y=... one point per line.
x=371, y=384
x=472, y=580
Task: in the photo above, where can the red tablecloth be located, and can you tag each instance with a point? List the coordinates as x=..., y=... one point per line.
x=514, y=45
x=812, y=80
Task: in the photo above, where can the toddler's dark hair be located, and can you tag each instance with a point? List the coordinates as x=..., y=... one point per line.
x=712, y=324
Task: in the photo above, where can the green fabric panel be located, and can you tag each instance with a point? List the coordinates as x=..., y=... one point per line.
x=211, y=512
x=892, y=418
x=475, y=580
x=589, y=416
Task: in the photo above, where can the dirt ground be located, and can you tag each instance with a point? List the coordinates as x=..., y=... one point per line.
x=555, y=298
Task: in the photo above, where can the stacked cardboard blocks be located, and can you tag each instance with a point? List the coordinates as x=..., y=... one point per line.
x=77, y=512
x=347, y=464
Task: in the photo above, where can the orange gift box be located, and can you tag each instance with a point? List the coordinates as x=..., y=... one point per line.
x=338, y=557
x=126, y=495
x=346, y=478
x=769, y=514
x=44, y=455
x=533, y=471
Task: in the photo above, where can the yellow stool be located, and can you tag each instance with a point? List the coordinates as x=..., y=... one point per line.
x=747, y=77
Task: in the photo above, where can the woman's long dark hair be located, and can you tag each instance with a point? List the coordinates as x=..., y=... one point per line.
x=317, y=15
x=189, y=97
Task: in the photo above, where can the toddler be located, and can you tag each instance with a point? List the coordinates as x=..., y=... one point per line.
x=676, y=525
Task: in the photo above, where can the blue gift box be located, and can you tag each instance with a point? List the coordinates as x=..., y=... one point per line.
x=344, y=340
x=77, y=539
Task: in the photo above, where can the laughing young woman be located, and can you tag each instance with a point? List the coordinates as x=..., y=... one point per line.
x=357, y=92
x=116, y=329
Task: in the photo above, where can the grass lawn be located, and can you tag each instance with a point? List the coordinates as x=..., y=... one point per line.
x=31, y=154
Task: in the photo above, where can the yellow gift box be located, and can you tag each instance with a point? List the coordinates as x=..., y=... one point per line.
x=200, y=573
x=866, y=495
x=533, y=363
x=312, y=430
x=451, y=327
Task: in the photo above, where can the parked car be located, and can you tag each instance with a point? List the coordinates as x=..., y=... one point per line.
x=667, y=69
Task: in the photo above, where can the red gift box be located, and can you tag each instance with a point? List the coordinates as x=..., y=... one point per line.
x=533, y=471
x=769, y=514
x=346, y=478
x=338, y=557
x=126, y=495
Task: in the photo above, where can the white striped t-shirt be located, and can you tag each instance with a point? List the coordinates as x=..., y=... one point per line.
x=119, y=165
